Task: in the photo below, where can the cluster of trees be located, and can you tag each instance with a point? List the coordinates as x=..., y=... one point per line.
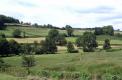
x=5, y=19
x=106, y=30
x=8, y=48
x=49, y=45
x=87, y=41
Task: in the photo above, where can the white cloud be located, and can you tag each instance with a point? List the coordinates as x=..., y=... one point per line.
x=77, y=13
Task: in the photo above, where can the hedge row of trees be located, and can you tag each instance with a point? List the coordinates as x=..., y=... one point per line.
x=49, y=45
x=106, y=30
x=89, y=43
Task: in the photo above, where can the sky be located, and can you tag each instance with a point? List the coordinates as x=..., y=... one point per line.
x=77, y=13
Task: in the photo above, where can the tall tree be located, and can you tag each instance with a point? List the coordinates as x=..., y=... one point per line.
x=53, y=34
x=49, y=46
x=69, y=30
x=89, y=42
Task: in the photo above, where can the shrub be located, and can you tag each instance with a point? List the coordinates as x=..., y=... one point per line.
x=70, y=48
x=16, y=33
x=106, y=44
x=28, y=62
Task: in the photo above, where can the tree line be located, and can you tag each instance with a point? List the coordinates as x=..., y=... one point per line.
x=6, y=19
x=105, y=30
x=49, y=46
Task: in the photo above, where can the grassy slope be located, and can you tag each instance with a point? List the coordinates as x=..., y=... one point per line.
x=34, y=32
x=79, y=61
x=40, y=33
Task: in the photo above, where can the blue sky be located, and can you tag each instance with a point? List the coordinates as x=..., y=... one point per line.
x=77, y=13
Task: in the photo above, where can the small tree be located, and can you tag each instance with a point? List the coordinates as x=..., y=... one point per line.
x=79, y=41
x=70, y=48
x=69, y=30
x=106, y=44
x=28, y=62
x=17, y=33
x=53, y=33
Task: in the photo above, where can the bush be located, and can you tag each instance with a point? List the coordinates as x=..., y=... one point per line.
x=70, y=48
x=107, y=44
x=16, y=33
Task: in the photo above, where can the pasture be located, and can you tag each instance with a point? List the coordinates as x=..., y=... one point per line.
x=102, y=63
x=35, y=32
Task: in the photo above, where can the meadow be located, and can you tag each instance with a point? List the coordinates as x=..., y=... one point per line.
x=94, y=63
x=34, y=32
x=98, y=65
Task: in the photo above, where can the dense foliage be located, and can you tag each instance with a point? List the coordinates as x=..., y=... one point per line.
x=6, y=19
x=89, y=42
x=16, y=33
x=71, y=48
x=48, y=46
x=8, y=48
x=106, y=30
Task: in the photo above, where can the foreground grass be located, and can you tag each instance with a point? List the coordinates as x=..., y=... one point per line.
x=7, y=77
x=105, y=64
x=91, y=62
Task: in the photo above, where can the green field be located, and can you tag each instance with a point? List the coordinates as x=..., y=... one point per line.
x=106, y=64
x=92, y=63
x=34, y=32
